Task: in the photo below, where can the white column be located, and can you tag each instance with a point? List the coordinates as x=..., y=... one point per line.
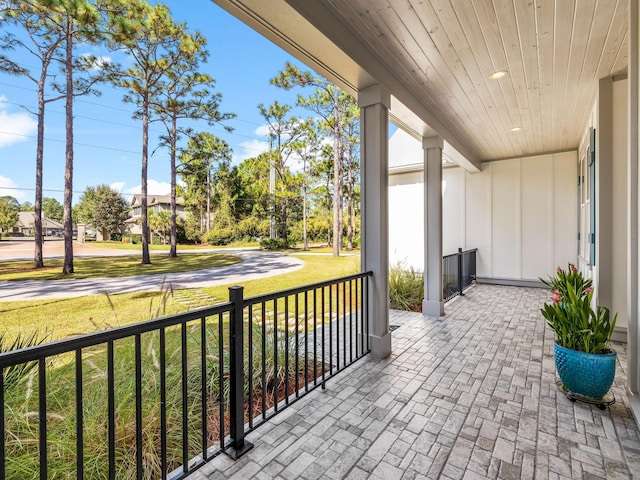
x=604, y=194
x=374, y=152
x=633, y=333
x=433, y=303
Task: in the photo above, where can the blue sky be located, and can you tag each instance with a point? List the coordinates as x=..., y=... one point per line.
x=108, y=140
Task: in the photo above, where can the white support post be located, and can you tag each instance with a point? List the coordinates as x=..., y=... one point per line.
x=633, y=332
x=374, y=133
x=433, y=303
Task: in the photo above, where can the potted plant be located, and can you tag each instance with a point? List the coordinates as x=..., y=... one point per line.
x=584, y=360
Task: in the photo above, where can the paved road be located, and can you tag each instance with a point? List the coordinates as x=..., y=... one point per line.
x=23, y=250
x=255, y=264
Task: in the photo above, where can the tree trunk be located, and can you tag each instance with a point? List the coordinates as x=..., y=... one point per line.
x=329, y=203
x=208, y=196
x=174, y=230
x=146, y=260
x=341, y=199
x=305, y=244
x=38, y=261
x=285, y=213
x=337, y=178
x=350, y=208
x=67, y=267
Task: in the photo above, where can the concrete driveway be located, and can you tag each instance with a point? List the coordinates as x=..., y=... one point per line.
x=255, y=264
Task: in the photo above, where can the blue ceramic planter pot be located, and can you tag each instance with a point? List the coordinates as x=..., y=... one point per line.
x=587, y=374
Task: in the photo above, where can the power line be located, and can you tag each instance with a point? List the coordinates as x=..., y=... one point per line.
x=243, y=199
x=52, y=190
x=57, y=140
x=110, y=122
x=103, y=105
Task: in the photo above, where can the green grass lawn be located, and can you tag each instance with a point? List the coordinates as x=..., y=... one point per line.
x=123, y=266
x=62, y=318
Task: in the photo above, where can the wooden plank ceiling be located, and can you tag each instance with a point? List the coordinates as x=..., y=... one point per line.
x=436, y=56
x=445, y=50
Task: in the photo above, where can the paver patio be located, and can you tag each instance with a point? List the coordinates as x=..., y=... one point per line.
x=468, y=396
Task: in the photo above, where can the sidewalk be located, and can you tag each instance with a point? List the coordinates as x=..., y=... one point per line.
x=254, y=265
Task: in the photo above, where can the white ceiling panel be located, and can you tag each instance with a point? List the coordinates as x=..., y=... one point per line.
x=435, y=56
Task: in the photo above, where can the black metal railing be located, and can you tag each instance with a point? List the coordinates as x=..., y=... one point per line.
x=161, y=398
x=458, y=273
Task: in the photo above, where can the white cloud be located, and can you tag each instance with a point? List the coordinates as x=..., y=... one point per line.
x=7, y=187
x=262, y=131
x=250, y=149
x=118, y=186
x=153, y=188
x=14, y=127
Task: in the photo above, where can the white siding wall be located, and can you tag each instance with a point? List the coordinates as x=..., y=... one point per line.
x=406, y=232
x=521, y=215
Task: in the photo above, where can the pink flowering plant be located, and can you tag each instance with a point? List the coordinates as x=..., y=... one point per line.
x=575, y=323
x=563, y=278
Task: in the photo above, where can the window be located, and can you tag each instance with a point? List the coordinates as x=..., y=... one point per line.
x=586, y=201
x=592, y=196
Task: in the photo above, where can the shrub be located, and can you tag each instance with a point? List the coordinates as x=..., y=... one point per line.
x=21, y=424
x=276, y=243
x=133, y=238
x=116, y=237
x=406, y=288
x=251, y=227
x=220, y=236
x=181, y=233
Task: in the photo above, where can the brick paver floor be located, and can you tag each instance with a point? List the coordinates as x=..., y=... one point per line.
x=471, y=395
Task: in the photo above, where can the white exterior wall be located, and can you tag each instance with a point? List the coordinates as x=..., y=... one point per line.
x=520, y=214
x=406, y=220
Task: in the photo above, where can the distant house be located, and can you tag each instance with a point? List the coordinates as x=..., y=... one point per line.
x=155, y=203
x=26, y=225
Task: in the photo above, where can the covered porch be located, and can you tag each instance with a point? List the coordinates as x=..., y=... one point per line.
x=537, y=105
x=471, y=396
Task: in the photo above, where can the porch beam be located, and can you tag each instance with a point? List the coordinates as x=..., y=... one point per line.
x=374, y=151
x=433, y=303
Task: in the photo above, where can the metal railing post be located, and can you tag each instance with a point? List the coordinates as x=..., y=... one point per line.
x=238, y=445
x=460, y=281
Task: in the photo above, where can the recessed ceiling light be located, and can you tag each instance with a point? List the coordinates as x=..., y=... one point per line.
x=516, y=129
x=498, y=74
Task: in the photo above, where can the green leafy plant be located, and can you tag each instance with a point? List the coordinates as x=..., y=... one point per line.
x=563, y=278
x=16, y=373
x=406, y=288
x=275, y=243
x=576, y=324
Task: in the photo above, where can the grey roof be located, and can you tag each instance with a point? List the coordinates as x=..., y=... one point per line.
x=27, y=220
x=156, y=200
